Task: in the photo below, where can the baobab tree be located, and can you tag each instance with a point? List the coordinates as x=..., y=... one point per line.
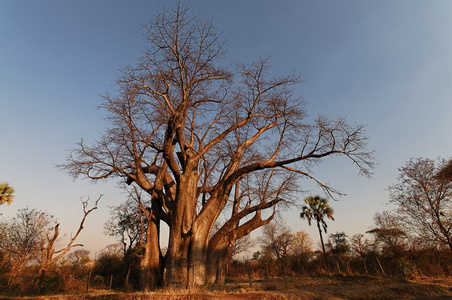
x=204, y=140
x=318, y=209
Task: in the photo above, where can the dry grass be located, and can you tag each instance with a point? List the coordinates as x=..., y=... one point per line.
x=339, y=287
x=321, y=287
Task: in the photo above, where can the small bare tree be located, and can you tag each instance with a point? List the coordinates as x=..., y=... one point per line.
x=277, y=239
x=361, y=246
x=301, y=248
x=78, y=257
x=23, y=237
x=302, y=243
x=390, y=232
x=126, y=224
x=424, y=199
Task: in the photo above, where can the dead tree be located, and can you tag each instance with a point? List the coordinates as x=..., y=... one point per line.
x=49, y=255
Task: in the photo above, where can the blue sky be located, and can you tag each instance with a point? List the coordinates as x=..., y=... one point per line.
x=386, y=64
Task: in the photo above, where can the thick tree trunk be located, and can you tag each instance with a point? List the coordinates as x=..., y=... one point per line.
x=176, y=259
x=150, y=265
x=177, y=265
x=198, y=256
x=218, y=246
x=202, y=260
x=215, y=249
x=216, y=263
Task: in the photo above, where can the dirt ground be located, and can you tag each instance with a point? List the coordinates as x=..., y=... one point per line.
x=315, y=288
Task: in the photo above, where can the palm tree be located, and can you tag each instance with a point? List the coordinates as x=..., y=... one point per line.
x=6, y=193
x=317, y=208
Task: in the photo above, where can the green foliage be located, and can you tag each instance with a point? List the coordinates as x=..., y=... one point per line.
x=317, y=209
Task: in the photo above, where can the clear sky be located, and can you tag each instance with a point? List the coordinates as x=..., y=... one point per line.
x=386, y=64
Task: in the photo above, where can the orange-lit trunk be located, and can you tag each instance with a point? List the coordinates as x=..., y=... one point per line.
x=181, y=232
x=151, y=262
